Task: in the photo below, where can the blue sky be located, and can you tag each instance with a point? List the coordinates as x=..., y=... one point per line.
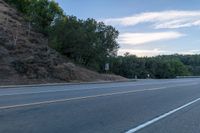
x=147, y=27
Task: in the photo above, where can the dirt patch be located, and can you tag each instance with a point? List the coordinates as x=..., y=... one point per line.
x=25, y=57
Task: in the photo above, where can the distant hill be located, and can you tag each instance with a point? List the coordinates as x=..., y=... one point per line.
x=26, y=58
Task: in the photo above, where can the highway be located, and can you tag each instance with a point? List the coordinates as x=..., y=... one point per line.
x=145, y=106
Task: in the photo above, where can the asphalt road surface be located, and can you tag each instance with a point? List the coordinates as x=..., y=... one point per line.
x=145, y=106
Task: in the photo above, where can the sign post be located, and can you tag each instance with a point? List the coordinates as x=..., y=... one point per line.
x=107, y=67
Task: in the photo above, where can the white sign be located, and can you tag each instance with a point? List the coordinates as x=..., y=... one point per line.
x=107, y=67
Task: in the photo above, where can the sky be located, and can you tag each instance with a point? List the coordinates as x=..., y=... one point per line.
x=147, y=27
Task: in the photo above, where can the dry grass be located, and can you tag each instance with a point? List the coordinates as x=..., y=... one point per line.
x=28, y=59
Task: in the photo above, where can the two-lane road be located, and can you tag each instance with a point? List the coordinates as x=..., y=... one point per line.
x=146, y=106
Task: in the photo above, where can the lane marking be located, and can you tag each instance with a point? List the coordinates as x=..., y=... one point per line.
x=78, y=98
x=148, y=123
x=85, y=97
x=78, y=84
x=51, y=91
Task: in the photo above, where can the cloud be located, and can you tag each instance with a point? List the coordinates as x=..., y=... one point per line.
x=155, y=52
x=142, y=38
x=165, y=19
x=141, y=52
x=190, y=52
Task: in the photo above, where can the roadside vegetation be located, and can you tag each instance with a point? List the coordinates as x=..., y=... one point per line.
x=165, y=66
x=93, y=44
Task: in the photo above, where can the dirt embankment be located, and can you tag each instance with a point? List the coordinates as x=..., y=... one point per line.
x=25, y=57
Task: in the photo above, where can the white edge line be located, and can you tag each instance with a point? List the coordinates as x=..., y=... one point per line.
x=79, y=98
x=51, y=91
x=78, y=83
x=63, y=90
x=161, y=117
x=65, y=83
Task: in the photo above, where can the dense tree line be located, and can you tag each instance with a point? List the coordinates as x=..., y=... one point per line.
x=166, y=66
x=192, y=62
x=93, y=44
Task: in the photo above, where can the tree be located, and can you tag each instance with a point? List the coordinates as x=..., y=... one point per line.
x=39, y=13
x=87, y=42
x=157, y=67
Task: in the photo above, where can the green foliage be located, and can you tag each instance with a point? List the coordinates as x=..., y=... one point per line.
x=192, y=62
x=40, y=13
x=93, y=43
x=131, y=66
x=86, y=42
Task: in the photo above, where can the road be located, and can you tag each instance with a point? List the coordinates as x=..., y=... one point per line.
x=145, y=106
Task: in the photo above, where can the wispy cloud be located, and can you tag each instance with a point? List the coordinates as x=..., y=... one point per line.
x=190, y=52
x=155, y=52
x=142, y=38
x=165, y=19
x=142, y=52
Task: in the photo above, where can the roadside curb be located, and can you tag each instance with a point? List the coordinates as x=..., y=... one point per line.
x=62, y=84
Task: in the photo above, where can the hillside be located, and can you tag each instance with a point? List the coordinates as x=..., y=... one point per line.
x=26, y=58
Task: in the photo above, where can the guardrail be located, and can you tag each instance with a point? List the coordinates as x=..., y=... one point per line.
x=178, y=77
